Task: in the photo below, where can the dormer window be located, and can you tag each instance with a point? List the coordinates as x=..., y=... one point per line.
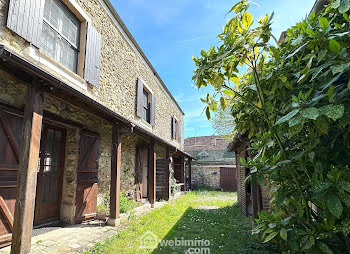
x=60, y=34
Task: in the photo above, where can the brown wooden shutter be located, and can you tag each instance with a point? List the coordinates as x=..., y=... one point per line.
x=10, y=146
x=87, y=176
x=92, y=56
x=139, y=98
x=153, y=110
x=25, y=18
x=173, y=128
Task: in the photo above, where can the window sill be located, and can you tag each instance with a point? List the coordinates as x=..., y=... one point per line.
x=145, y=124
x=47, y=62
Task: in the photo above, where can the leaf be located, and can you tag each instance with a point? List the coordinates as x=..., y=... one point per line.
x=322, y=125
x=283, y=78
x=261, y=180
x=320, y=186
x=344, y=6
x=259, y=104
x=307, y=242
x=334, y=46
x=324, y=248
x=283, y=234
x=346, y=186
x=270, y=237
x=310, y=113
x=207, y=112
x=335, y=112
x=340, y=68
x=346, y=17
x=335, y=4
x=298, y=119
x=334, y=205
x=287, y=117
x=297, y=50
x=323, y=23
x=294, y=130
x=229, y=92
x=330, y=92
x=223, y=103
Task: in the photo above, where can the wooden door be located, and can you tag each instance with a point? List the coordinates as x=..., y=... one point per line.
x=10, y=143
x=228, y=180
x=50, y=174
x=87, y=176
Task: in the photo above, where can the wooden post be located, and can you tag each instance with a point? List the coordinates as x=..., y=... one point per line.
x=152, y=173
x=27, y=173
x=190, y=174
x=170, y=161
x=115, y=176
x=183, y=173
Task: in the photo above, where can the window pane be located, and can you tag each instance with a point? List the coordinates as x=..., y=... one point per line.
x=60, y=36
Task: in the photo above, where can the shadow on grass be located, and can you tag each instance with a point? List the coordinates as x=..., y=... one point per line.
x=207, y=229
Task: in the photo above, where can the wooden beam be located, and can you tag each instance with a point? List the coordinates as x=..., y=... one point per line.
x=183, y=173
x=190, y=173
x=27, y=173
x=6, y=212
x=254, y=190
x=152, y=161
x=170, y=161
x=115, y=174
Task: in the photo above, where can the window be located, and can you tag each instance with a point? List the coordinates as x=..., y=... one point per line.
x=146, y=106
x=145, y=103
x=176, y=129
x=60, y=34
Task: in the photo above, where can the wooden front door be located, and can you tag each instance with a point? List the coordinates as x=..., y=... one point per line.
x=228, y=181
x=50, y=173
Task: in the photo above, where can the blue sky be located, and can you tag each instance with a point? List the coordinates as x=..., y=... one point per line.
x=171, y=32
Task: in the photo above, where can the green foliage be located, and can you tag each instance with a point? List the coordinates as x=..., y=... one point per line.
x=293, y=100
x=125, y=204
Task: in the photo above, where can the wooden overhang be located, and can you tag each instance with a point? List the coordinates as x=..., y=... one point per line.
x=237, y=141
x=26, y=72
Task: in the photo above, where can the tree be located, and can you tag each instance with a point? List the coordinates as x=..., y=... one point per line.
x=223, y=123
x=294, y=102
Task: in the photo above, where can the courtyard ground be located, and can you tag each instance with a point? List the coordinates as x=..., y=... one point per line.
x=212, y=218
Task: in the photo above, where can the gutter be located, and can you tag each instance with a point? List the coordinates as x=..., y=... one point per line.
x=7, y=55
x=132, y=39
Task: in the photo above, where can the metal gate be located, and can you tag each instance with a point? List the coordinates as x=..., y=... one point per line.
x=228, y=180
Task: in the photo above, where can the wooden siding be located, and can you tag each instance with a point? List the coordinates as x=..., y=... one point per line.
x=25, y=18
x=92, y=56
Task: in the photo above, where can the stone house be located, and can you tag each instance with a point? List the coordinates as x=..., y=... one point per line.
x=83, y=113
x=214, y=166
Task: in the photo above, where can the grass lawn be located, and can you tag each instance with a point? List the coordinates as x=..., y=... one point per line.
x=208, y=215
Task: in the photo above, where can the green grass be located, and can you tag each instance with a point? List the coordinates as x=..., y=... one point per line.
x=225, y=227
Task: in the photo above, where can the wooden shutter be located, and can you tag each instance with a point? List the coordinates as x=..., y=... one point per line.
x=153, y=110
x=92, y=56
x=173, y=128
x=10, y=146
x=87, y=176
x=25, y=18
x=139, y=97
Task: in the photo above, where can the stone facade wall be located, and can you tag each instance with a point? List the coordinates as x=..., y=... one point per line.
x=121, y=66
x=208, y=176
x=12, y=92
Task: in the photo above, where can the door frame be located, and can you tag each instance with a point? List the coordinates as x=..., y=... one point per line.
x=37, y=219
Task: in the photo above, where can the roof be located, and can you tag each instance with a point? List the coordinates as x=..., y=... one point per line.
x=221, y=156
x=134, y=42
x=237, y=141
x=205, y=142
